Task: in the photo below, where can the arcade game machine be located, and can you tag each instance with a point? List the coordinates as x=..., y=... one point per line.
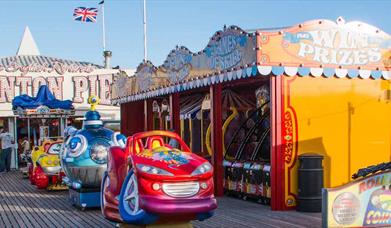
x=247, y=161
x=234, y=108
x=256, y=169
x=84, y=158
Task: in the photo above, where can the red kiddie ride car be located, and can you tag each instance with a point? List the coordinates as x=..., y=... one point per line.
x=152, y=181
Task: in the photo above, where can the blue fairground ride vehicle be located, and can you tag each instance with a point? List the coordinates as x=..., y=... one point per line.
x=84, y=157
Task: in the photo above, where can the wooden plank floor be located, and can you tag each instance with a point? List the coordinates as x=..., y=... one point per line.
x=22, y=205
x=234, y=212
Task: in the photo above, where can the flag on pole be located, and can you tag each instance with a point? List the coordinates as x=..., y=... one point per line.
x=85, y=14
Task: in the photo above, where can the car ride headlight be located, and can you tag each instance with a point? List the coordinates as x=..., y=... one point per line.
x=203, y=168
x=99, y=153
x=153, y=170
x=119, y=139
x=77, y=145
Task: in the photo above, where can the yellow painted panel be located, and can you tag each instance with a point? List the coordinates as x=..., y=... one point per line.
x=346, y=120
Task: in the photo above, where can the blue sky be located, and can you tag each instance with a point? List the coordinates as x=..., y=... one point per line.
x=170, y=22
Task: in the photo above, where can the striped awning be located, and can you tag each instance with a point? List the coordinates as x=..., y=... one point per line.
x=27, y=60
x=190, y=106
x=232, y=99
x=257, y=71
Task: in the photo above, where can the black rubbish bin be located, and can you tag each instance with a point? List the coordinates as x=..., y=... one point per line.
x=310, y=183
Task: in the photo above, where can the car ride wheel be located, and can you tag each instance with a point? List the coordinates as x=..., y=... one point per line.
x=131, y=199
x=105, y=185
x=129, y=206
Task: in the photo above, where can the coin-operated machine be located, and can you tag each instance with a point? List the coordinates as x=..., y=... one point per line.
x=84, y=158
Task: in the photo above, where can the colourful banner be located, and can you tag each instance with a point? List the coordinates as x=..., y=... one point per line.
x=362, y=203
x=227, y=50
x=324, y=43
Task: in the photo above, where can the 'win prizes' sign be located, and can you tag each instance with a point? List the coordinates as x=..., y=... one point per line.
x=327, y=44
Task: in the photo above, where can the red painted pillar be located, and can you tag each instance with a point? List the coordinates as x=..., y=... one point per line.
x=124, y=120
x=175, y=120
x=132, y=117
x=148, y=115
x=277, y=158
x=217, y=138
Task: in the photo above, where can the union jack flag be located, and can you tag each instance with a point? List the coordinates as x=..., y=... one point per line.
x=85, y=14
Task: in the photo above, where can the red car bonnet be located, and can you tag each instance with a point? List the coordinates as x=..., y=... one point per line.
x=180, y=164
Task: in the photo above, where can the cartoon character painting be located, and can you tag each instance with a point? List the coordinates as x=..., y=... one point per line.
x=152, y=182
x=84, y=157
x=378, y=211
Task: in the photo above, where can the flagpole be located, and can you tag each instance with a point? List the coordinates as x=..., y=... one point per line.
x=145, y=31
x=103, y=27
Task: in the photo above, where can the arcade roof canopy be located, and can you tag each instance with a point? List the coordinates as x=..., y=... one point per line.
x=318, y=48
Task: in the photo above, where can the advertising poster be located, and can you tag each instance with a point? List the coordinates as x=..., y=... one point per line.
x=362, y=203
x=43, y=132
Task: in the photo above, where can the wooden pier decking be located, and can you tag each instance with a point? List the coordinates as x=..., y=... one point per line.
x=22, y=205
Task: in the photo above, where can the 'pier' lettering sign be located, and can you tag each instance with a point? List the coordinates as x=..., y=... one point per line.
x=76, y=88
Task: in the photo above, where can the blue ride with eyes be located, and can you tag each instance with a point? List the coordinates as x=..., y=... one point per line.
x=84, y=157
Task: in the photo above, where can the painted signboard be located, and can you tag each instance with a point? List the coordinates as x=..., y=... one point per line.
x=145, y=72
x=318, y=47
x=362, y=203
x=56, y=67
x=11, y=86
x=178, y=64
x=326, y=44
x=226, y=51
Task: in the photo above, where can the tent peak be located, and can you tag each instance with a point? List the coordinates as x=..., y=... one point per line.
x=27, y=45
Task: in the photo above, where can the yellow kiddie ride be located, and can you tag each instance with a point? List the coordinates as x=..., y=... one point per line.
x=45, y=171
